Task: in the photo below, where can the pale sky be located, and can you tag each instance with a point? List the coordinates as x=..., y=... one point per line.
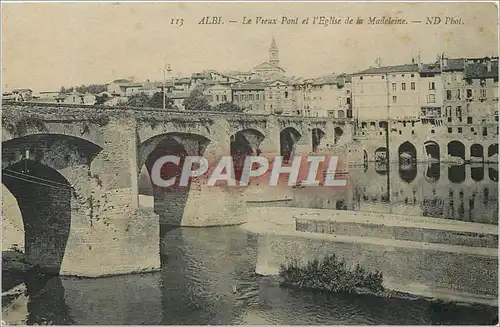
x=47, y=45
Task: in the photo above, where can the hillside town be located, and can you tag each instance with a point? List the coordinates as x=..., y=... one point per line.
x=456, y=89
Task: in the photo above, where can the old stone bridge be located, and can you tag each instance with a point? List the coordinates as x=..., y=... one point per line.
x=74, y=172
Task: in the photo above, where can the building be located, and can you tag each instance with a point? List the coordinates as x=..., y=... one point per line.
x=452, y=73
x=48, y=94
x=481, y=89
x=383, y=92
x=123, y=88
x=326, y=97
x=431, y=94
x=178, y=98
x=218, y=94
x=250, y=97
x=279, y=99
x=272, y=66
x=78, y=98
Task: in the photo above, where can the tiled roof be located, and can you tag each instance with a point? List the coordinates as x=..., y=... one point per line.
x=430, y=68
x=21, y=90
x=454, y=64
x=480, y=70
x=389, y=69
x=248, y=87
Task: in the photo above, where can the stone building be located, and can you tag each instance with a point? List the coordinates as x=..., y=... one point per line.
x=250, y=97
x=218, y=94
x=431, y=93
x=279, y=99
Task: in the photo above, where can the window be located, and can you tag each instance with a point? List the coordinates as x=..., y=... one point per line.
x=448, y=111
x=459, y=111
x=460, y=129
x=432, y=85
x=433, y=131
x=450, y=130
x=224, y=98
x=412, y=85
x=217, y=98
x=394, y=99
x=459, y=94
x=383, y=77
x=412, y=75
x=257, y=96
x=361, y=77
x=485, y=131
x=483, y=93
x=472, y=129
x=400, y=133
x=286, y=94
x=403, y=86
x=431, y=98
x=348, y=100
x=496, y=118
x=448, y=95
x=394, y=86
x=469, y=93
x=469, y=120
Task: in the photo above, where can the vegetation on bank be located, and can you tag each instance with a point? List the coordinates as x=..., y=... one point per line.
x=331, y=274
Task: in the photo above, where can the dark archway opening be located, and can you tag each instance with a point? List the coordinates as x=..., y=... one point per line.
x=456, y=174
x=493, y=153
x=477, y=173
x=244, y=143
x=432, y=151
x=44, y=199
x=433, y=172
x=288, y=140
x=476, y=153
x=407, y=154
x=493, y=174
x=169, y=202
x=317, y=136
x=456, y=149
x=338, y=132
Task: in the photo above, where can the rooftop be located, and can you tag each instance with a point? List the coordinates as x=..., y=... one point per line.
x=389, y=69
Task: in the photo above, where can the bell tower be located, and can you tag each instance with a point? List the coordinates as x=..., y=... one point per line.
x=274, y=53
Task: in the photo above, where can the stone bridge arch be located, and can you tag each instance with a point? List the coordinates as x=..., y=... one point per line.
x=318, y=135
x=89, y=130
x=168, y=202
x=288, y=141
x=244, y=143
x=50, y=177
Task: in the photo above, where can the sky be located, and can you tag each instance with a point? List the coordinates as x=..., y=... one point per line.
x=48, y=45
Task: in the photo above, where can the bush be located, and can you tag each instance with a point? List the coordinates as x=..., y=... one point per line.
x=331, y=274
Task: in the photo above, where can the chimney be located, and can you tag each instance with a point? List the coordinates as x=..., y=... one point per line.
x=488, y=63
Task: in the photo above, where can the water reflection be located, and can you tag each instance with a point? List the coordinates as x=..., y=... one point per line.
x=209, y=279
x=434, y=190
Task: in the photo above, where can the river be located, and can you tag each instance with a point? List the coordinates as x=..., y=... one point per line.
x=208, y=274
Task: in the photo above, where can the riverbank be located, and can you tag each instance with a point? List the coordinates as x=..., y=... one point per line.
x=433, y=271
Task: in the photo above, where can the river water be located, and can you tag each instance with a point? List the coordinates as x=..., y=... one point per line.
x=208, y=274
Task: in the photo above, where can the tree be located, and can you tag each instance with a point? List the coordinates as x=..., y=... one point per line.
x=157, y=101
x=62, y=90
x=196, y=101
x=101, y=98
x=138, y=100
x=143, y=100
x=228, y=107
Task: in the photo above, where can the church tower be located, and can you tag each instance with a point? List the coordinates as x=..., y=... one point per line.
x=274, y=53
